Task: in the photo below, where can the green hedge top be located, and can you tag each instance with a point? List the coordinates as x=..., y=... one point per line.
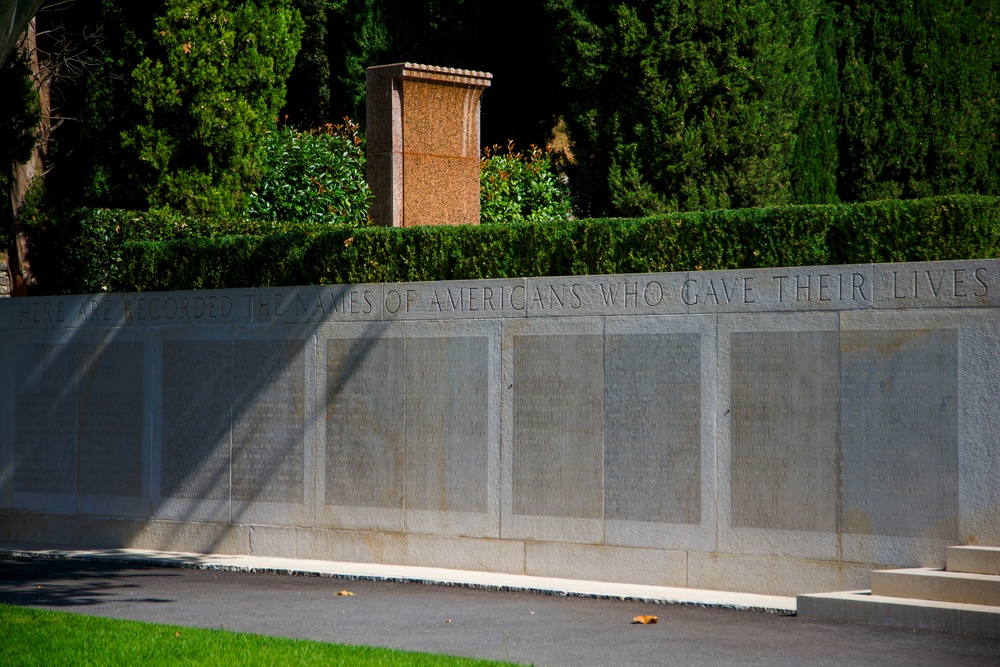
x=119, y=251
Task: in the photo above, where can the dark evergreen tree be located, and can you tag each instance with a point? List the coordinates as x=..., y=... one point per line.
x=815, y=158
x=684, y=104
x=308, y=98
x=95, y=101
x=512, y=40
x=19, y=115
x=920, y=88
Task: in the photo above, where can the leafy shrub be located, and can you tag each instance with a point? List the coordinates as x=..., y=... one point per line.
x=123, y=251
x=80, y=251
x=313, y=176
x=519, y=187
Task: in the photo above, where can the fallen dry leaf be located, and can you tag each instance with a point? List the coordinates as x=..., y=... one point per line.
x=177, y=634
x=645, y=620
x=345, y=593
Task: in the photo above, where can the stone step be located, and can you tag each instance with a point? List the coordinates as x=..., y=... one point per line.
x=862, y=607
x=975, y=560
x=940, y=585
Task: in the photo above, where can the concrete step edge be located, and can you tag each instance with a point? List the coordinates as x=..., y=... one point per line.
x=973, y=559
x=937, y=573
x=862, y=607
x=940, y=585
x=865, y=596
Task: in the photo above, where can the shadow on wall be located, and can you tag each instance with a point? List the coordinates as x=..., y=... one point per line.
x=177, y=433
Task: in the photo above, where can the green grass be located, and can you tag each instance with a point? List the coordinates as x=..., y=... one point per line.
x=39, y=637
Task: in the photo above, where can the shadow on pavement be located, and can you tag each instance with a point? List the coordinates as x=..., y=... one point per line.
x=68, y=583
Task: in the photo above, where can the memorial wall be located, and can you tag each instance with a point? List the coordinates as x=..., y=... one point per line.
x=776, y=430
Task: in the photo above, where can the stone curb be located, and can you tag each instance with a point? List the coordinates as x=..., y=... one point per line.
x=424, y=575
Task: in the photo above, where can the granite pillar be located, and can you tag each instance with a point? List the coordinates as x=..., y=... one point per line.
x=423, y=144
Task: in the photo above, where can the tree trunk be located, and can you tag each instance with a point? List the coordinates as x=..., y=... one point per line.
x=25, y=174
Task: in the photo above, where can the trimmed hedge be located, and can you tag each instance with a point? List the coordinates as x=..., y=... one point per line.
x=123, y=251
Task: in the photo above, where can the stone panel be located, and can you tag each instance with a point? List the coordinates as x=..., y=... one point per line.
x=459, y=553
x=45, y=419
x=110, y=419
x=424, y=133
x=899, y=433
x=558, y=425
x=364, y=426
x=652, y=428
x=784, y=429
x=437, y=190
x=446, y=423
x=197, y=399
x=770, y=576
x=268, y=420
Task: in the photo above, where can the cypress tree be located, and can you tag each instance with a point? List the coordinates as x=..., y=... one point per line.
x=815, y=158
x=919, y=103
x=510, y=39
x=684, y=104
x=308, y=98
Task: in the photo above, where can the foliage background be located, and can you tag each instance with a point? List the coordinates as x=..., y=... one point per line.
x=684, y=105
x=670, y=105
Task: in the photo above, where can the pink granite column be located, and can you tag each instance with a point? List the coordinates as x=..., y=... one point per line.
x=423, y=144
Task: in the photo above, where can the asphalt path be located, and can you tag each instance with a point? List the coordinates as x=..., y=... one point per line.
x=526, y=628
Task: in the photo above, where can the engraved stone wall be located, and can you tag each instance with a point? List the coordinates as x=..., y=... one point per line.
x=45, y=419
x=767, y=430
x=269, y=420
x=109, y=419
x=197, y=414
x=445, y=408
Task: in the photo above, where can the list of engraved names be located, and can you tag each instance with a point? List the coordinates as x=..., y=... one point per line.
x=784, y=429
x=652, y=427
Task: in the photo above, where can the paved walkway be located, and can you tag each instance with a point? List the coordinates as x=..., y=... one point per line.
x=422, y=575
x=500, y=618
